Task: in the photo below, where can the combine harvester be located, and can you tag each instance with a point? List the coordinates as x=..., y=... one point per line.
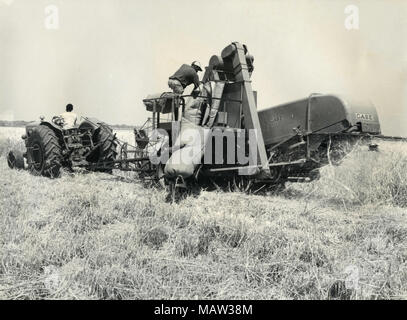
x=222, y=138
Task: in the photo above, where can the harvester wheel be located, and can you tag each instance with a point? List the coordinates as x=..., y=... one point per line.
x=44, y=152
x=15, y=159
x=107, y=150
x=276, y=174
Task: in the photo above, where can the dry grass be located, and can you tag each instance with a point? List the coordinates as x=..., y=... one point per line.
x=368, y=177
x=95, y=236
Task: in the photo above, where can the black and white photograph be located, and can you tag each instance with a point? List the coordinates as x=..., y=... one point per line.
x=222, y=152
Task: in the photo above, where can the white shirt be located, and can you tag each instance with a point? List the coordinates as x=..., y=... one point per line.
x=69, y=119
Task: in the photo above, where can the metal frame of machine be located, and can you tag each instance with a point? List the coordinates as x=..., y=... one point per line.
x=323, y=129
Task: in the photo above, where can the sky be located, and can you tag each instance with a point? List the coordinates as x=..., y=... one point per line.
x=105, y=56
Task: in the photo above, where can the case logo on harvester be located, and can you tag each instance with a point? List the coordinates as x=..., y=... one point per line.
x=276, y=118
x=364, y=116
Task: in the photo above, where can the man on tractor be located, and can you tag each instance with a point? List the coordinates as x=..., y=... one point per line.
x=69, y=118
x=185, y=76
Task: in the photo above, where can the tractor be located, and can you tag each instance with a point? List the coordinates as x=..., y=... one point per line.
x=49, y=147
x=291, y=142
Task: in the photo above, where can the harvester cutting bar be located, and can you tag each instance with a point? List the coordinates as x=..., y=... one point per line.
x=103, y=164
x=363, y=136
x=130, y=160
x=277, y=164
x=390, y=138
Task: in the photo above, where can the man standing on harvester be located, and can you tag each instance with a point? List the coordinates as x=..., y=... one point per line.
x=185, y=76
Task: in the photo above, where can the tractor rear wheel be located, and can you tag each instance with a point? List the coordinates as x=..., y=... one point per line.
x=44, y=152
x=107, y=149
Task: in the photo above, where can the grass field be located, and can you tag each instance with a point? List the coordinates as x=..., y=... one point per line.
x=99, y=236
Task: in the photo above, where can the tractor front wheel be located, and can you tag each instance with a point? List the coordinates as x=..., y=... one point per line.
x=15, y=159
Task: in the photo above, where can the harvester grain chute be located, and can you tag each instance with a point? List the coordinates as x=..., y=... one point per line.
x=220, y=137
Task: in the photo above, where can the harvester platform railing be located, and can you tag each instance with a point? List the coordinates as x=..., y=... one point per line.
x=215, y=98
x=195, y=96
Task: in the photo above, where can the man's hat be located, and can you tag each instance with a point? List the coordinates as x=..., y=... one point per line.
x=196, y=64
